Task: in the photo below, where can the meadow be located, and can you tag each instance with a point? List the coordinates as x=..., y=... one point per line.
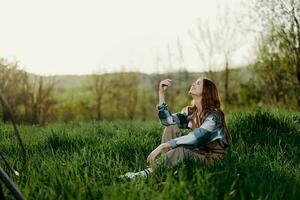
x=83, y=160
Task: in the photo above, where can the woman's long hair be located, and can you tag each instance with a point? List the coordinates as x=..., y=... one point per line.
x=211, y=103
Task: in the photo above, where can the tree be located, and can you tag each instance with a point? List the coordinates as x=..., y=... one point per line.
x=216, y=44
x=30, y=97
x=205, y=40
x=280, y=22
x=11, y=78
x=100, y=88
x=229, y=41
x=39, y=99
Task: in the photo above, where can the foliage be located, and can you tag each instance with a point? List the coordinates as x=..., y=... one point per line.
x=277, y=69
x=30, y=97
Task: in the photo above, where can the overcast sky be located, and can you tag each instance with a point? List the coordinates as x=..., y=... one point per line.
x=84, y=36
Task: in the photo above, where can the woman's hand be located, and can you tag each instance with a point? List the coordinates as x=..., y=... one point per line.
x=164, y=85
x=164, y=147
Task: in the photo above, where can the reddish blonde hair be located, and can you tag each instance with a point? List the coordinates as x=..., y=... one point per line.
x=210, y=102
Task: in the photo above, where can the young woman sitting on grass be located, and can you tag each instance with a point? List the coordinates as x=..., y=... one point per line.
x=209, y=137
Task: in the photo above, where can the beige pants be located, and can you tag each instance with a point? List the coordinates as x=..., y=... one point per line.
x=174, y=156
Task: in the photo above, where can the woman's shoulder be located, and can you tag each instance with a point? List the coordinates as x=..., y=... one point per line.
x=216, y=115
x=188, y=110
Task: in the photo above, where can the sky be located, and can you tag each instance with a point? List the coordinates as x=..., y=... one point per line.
x=50, y=37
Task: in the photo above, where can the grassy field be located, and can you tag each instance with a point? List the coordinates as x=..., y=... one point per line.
x=84, y=160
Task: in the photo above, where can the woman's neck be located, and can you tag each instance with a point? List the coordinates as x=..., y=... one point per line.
x=197, y=101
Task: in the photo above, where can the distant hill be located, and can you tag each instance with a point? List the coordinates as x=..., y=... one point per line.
x=75, y=81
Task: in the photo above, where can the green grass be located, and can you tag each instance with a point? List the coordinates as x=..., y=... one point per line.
x=84, y=160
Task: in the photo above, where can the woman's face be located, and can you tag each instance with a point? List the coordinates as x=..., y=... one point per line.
x=197, y=88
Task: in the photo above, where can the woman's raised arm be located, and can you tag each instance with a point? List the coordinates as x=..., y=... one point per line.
x=163, y=87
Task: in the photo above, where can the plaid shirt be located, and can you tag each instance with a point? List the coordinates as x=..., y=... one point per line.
x=210, y=130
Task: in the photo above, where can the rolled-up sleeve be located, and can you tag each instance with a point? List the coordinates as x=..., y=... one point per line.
x=199, y=136
x=167, y=118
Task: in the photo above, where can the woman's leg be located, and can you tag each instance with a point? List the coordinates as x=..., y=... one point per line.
x=170, y=132
x=174, y=156
x=177, y=155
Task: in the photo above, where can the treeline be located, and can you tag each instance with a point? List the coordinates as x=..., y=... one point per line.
x=118, y=96
x=131, y=96
x=273, y=78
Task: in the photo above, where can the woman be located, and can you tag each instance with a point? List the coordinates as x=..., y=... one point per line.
x=209, y=137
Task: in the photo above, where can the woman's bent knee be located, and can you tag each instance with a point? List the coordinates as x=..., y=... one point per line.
x=169, y=133
x=172, y=128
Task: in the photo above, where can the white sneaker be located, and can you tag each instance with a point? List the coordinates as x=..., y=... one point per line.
x=132, y=175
